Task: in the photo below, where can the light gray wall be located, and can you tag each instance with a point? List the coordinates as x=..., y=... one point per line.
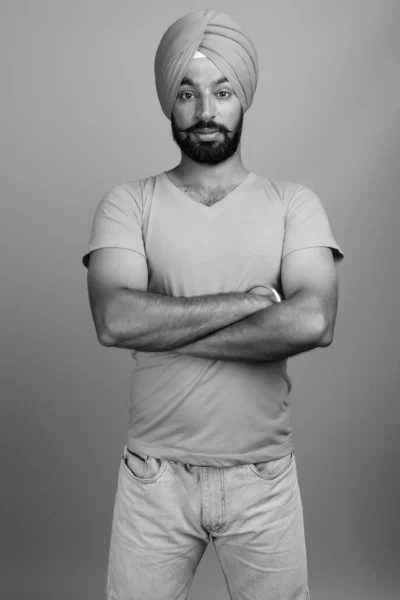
x=80, y=114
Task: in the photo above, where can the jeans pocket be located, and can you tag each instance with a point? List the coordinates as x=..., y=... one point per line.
x=272, y=469
x=142, y=467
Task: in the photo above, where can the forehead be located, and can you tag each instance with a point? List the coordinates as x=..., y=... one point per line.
x=202, y=71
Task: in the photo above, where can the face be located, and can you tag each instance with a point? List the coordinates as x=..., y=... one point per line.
x=206, y=101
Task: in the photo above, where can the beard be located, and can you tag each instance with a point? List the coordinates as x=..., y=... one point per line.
x=211, y=152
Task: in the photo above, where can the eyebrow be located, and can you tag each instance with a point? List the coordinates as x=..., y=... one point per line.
x=187, y=81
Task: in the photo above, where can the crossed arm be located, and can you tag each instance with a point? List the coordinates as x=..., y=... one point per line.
x=304, y=320
x=240, y=327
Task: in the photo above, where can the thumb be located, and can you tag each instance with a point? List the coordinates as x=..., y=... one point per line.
x=265, y=290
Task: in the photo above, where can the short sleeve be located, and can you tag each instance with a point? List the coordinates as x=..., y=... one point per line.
x=306, y=223
x=117, y=222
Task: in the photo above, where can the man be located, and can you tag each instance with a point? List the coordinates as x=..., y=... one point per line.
x=212, y=276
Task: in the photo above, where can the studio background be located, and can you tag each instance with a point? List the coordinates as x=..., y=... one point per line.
x=80, y=114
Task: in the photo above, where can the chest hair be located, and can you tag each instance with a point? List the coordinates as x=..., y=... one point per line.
x=207, y=195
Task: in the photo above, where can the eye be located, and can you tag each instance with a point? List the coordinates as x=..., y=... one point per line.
x=224, y=92
x=185, y=94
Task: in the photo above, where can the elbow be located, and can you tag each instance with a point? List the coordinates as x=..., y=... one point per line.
x=325, y=335
x=104, y=332
x=326, y=340
x=101, y=324
x=107, y=329
x=105, y=338
x=319, y=333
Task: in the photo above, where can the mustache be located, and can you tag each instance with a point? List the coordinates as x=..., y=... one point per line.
x=205, y=125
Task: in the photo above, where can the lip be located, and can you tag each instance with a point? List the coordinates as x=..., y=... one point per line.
x=206, y=134
x=206, y=130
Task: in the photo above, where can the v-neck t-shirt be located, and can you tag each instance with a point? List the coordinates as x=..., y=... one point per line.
x=196, y=410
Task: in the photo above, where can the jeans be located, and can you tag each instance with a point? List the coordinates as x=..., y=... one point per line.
x=166, y=512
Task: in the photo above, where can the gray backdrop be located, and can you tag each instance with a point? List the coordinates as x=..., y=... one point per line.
x=80, y=114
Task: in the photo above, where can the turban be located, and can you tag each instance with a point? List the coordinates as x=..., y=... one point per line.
x=221, y=40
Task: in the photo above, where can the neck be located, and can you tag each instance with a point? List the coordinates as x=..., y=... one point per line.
x=228, y=172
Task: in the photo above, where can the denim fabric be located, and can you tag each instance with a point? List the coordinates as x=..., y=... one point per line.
x=166, y=513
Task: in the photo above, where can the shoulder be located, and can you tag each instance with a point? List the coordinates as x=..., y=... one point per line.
x=131, y=192
x=290, y=193
x=285, y=189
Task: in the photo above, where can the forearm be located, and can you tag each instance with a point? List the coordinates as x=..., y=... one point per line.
x=153, y=323
x=274, y=333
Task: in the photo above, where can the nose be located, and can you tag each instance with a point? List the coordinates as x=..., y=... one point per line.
x=206, y=108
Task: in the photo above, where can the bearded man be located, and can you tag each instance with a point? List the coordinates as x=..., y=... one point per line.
x=213, y=276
